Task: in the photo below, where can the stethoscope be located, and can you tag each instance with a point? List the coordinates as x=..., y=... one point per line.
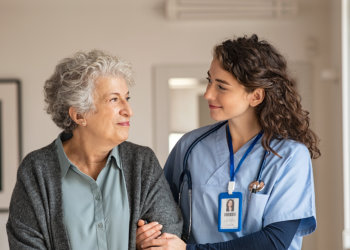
x=254, y=187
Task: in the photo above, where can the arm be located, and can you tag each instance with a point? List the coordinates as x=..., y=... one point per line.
x=35, y=214
x=278, y=235
x=22, y=227
x=157, y=202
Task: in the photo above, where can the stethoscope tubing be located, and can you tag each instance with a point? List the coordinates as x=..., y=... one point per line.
x=189, y=150
x=186, y=172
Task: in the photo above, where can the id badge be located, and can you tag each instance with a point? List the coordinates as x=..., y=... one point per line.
x=230, y=212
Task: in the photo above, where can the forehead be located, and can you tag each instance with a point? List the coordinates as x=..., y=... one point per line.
x=216, y=68
x=110, y=85
x=218, y=73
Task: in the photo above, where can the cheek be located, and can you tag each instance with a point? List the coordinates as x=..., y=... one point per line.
x=228, y=100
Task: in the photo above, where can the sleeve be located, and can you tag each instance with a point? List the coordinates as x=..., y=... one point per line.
x=23, y=230
x=278, y=235
x=293, y=195
x=159, y=204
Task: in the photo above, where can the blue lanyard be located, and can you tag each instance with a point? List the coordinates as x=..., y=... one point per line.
x=232, y=161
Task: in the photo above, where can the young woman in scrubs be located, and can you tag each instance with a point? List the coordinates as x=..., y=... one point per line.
x=261, y=158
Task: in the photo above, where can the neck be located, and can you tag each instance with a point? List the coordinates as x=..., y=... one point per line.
x=85, y=155
x=241, y=133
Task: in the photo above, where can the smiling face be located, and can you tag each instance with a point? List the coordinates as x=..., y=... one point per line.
x=227, y=98
x=109, y=124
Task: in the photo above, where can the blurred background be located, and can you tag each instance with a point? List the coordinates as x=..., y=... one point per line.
x=169, y=43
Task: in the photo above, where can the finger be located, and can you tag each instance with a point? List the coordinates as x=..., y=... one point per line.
x=155, y=235
x=154, y=243
x=162, y=237
x=141, y=223
x=167, y=236
x=146, y=227
x=155, y=231
x=141, y=235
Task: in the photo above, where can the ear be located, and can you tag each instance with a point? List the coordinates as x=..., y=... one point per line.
x=76, y=117
x=257, y=97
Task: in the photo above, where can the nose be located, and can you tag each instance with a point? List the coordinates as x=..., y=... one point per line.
x=209, y=92
x=126, y=110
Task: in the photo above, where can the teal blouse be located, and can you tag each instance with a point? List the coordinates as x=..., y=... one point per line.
x=96, y=213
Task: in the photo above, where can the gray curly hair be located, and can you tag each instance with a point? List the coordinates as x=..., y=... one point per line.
x=73, y=83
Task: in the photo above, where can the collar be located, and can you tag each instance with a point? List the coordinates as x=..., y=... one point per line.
x=65, y=163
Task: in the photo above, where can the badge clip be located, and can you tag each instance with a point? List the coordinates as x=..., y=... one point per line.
x=231, y=187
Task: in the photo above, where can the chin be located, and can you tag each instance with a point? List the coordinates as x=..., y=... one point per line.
x=217, y=118
x=123, y=138
x=118, y=139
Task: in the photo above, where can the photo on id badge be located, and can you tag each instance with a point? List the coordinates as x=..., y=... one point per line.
x=229, y=214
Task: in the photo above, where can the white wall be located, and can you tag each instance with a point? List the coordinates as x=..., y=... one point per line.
x=183, y=110
x=35, y=34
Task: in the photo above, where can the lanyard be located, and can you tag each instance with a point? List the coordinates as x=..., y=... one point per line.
x=232, y=163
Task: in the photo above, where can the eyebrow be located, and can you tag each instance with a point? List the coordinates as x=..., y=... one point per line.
x=116, y=93
x=219, y=80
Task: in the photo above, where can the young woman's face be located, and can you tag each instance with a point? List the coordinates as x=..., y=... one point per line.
x=227, y=98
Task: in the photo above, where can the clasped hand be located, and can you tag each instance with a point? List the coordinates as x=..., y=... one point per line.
x=149, y=236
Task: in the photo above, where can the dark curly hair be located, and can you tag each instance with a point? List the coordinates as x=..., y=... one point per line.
x=257, y=64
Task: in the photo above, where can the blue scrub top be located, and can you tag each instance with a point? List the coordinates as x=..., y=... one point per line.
x=288, y=193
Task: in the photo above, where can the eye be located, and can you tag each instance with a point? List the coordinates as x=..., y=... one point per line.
x=128, y=98
x=209, y=80
x=114, y=99
x=220, y=87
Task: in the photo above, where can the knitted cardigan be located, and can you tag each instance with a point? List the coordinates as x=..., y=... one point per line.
x=36, y=215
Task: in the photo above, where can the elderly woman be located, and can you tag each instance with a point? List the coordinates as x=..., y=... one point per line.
x=88, y=188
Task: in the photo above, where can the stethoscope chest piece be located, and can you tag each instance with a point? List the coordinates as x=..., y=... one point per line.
x=256, y=186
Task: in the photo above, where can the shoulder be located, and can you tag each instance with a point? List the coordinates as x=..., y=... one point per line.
x=129, y=149
x=290, y=148
x=137, y=158
x=188, y=138
x=40, y=168
x=295, y=157
x=39, y=158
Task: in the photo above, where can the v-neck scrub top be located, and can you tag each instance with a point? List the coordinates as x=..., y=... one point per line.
x=288, y=193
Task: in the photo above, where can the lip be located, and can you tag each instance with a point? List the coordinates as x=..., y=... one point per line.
x=211, y=106
x=125, y=124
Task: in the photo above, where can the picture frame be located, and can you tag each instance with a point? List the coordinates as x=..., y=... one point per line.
x=10, y=137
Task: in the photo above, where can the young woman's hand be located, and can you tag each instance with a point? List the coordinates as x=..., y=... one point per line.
x=165, y=242
x=146, y=232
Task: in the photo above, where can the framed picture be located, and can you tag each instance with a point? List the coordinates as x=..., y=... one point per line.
x=10, y=138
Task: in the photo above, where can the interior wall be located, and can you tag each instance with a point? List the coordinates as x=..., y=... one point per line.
x=183, y=110
x=36, y=34
x=333, y=167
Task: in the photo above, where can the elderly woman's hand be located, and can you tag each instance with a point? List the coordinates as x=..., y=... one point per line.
x=146, y=232
x=166, y=242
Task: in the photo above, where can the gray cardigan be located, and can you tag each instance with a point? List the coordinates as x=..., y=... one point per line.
x=36, y=216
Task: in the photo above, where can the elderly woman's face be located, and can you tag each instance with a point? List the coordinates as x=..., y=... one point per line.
x=109, y=123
